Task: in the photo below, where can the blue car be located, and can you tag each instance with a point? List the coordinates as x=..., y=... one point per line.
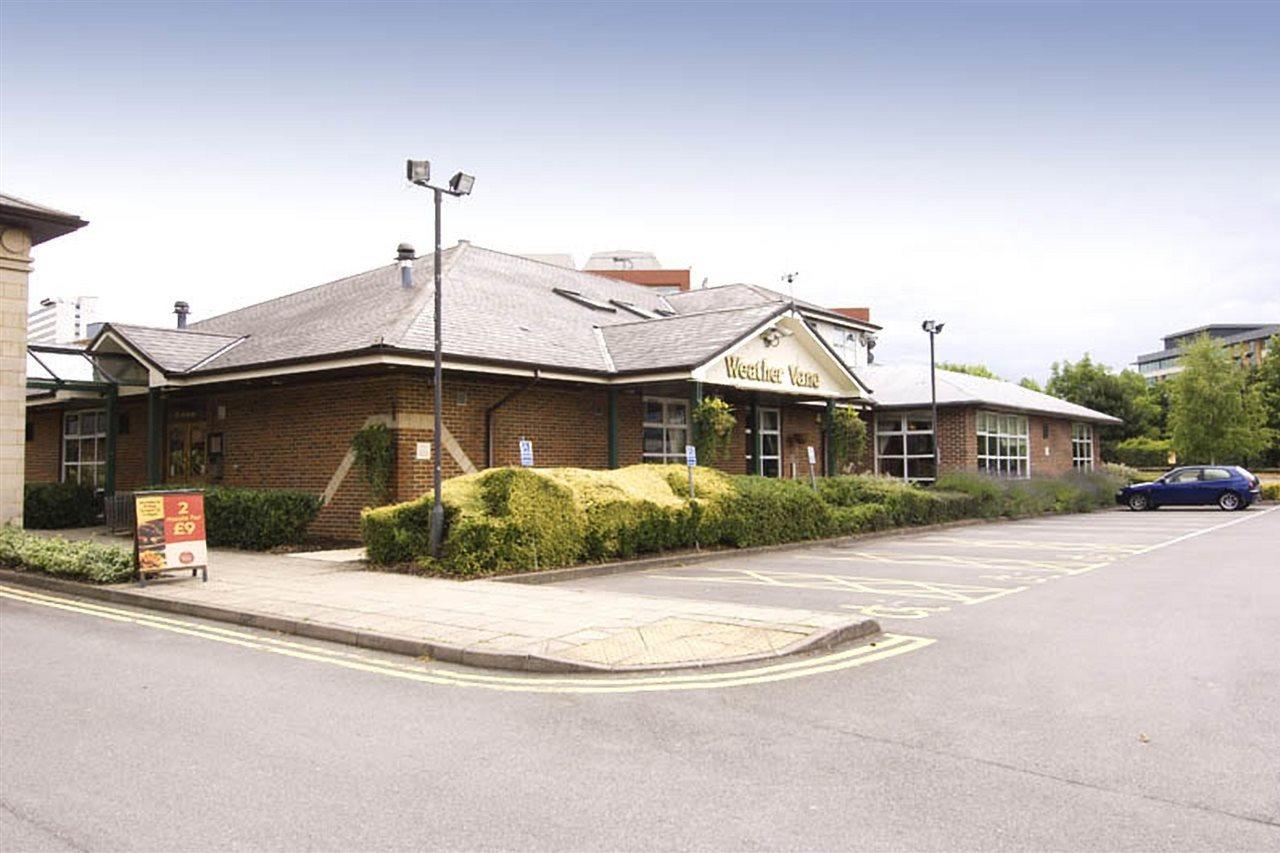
x=1229, y=486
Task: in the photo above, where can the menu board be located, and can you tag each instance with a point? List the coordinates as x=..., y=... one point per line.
x=170, y=531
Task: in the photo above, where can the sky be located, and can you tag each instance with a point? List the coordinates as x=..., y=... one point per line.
x=1047, y=179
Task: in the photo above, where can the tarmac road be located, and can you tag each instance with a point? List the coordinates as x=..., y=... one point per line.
x=1096, y=682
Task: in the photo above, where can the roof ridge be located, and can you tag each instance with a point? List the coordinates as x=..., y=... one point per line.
x=185, y=331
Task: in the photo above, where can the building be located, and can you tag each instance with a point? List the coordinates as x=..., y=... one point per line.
x=638, y=268
x=985, y=425
x=22, y=226
x=1245, y=342
x=596, y=372
x=61, y=321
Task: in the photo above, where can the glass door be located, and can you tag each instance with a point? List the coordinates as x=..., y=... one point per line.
x=770, y=443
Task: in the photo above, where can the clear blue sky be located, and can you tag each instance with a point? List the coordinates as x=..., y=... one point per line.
x=1047, y=178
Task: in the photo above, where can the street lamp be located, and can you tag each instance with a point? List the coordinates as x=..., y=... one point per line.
x=418, y=172
x=933, y=329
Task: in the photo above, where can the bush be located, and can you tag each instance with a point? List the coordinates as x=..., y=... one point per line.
x=765, y=511
x=862, y=518
x=400, y=533
x=1123, y=473
x=51, y=506
x=55, y=556
x=1141, y=452
x=257, y=519
x=905, y=504
x=1271, y=491
x=990, y=497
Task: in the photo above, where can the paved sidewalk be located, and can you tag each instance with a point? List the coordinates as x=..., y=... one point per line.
x=486, y=623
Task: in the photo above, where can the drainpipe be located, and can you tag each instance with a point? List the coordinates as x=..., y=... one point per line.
x=488, y=416
x=612, y=395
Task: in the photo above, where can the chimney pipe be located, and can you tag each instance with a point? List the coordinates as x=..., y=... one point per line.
x=404, y=256
x=182, y=309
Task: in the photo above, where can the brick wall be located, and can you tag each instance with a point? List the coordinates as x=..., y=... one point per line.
x=957, y=437
x=43, y=450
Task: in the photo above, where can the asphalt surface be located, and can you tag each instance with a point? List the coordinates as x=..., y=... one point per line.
x=1118, y=688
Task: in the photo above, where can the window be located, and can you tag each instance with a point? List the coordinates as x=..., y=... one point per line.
x=904, y=446
x=84, y=447
x=1217, y=474
x=1082, y=447
x=666, y=429
x=1185, y=475
x=1002, y=445
x=582, y=299
x=770, y=444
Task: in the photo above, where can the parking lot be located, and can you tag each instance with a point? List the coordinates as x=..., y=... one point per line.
x=912, y=581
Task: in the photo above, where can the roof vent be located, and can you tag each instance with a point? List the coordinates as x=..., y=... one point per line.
x=182, y=309
x=404, y=256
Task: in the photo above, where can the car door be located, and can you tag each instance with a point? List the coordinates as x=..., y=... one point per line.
x=1181, y=488
x=1214, y=482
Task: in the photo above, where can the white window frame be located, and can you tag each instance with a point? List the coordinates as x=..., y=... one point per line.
x=95, y=469
x=765, y=457
x=1082, y=447
x=903, y=419
x=667, y=425
x=1004, y=444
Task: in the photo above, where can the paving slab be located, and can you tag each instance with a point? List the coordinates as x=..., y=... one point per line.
x=488, y=623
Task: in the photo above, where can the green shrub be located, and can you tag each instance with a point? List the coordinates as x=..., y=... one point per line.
x=257, y=519
x=1123, y=473
x=543, y=512
x=400, y=533
x=765, y=511
x=1142, y=452
x=987, y=493
x=861, y=518
x=52, y=506
x=81, y=560
x=1271, y=491
x=990, y=497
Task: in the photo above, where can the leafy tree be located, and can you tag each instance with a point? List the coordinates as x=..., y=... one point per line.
x=971, y=369
x=1028, y=382
x=1264, y=380
x=1215, y=417
x=1122, y=395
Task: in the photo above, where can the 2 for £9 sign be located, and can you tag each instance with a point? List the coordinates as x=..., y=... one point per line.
x=171, y=531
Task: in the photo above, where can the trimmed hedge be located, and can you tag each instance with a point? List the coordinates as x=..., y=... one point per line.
x=257, y=519
x=516, y=519
x=1271, y=491
x=52, y=506
x=56, y=556
x=1143, y=452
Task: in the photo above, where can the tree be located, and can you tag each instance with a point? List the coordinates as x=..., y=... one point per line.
x=1215, y=416
x=971, y=369
x=1031, y=384
x=1122, y=395
x=1264, y=380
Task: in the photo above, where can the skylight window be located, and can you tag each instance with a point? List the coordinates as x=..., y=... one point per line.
x=575, y=296
x=632, y=308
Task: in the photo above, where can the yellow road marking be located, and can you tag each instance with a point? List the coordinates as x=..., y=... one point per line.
x=962, y=593
x=890, y=645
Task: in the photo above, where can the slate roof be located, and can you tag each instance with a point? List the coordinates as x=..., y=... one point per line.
x=499, y=308
x=741, y=295
x=1253, y=333
x=900, y=386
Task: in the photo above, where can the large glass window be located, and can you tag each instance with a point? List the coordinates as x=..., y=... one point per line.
x=1003, y=445
x=770, y=443
x=1082, y=447
x=666, y=429
x=904, y=446
x=84, y=447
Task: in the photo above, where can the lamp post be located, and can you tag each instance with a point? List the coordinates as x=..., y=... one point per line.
x=933, y=329
x=419, y=173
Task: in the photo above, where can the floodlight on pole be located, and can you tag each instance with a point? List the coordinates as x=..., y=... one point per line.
x=418, y=173
x=933, y=329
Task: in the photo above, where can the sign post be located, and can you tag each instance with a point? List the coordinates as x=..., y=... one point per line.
x=813, y=460
x=170, y=533
x=526, y=453
x=691, y=459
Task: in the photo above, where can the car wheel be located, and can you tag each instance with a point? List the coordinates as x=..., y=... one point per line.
x=1138, y=503
x=1229, y=501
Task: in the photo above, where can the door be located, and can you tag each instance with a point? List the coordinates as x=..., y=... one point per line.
x=770, y=443
x=1182, y=488
x=187, y=453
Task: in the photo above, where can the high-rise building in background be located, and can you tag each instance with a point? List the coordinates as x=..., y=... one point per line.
x=61, y=320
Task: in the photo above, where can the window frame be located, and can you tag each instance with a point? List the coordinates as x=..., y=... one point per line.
x=764, y=457
x=1081, y=446
x=904, y=420
x=666, y=425
x=1012, y=446
x=96, y=440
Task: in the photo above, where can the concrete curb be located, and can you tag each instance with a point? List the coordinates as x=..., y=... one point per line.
x=412, y=647
x=691, y=557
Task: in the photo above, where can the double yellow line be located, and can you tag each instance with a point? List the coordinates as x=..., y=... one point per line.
x=887, y=646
